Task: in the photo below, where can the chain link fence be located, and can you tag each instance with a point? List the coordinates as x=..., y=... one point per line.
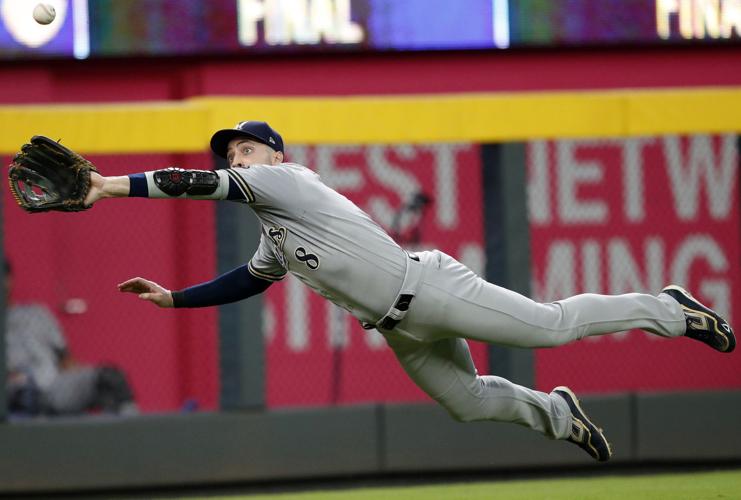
x=425, y=196
x=633, y=215
x=606, y=216
x=68, y=266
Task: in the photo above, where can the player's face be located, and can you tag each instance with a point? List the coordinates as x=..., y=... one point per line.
x=242, y=152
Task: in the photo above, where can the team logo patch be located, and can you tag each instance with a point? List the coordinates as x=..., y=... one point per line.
x=278, y=236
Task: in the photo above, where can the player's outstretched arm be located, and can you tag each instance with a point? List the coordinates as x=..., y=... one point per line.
x=148, y=290
x=232, y=286
x=166, y=183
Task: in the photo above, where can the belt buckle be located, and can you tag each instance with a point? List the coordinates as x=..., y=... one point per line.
x=387, y=323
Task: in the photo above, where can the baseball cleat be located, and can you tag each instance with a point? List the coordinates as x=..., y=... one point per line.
x=584, y=433
x=703, y=323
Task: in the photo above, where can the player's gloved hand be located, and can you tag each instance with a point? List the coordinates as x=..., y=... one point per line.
x=45, y=175
x=148, y=290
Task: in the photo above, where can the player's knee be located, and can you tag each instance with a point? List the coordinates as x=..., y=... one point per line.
x=460, y=415
x=551, y=339
x=461, y=409
x=457, y=412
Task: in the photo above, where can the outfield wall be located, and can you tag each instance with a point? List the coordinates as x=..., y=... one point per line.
x=250, y=445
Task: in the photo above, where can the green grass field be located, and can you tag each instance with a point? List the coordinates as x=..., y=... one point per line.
x=676, y=486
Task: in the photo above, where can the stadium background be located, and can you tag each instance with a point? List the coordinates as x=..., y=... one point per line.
x=564, y=166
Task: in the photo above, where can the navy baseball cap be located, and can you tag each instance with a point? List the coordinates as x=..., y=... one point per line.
x=255, y=130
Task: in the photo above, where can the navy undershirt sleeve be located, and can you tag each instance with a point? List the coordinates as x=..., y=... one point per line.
x=138, y=185
x=235, y=194
x=232, y=286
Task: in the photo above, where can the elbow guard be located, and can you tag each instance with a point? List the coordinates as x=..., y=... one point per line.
x=176, y=181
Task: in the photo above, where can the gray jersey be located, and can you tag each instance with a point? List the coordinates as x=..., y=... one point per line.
x=317, y=234
x=336, y=249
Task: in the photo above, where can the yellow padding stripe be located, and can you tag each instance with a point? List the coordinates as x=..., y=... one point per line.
x=186, y=126
x=430, y=118
x=176, y=127
x=710, y=110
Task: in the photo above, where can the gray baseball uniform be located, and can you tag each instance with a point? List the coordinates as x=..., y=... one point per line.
x=426, y=304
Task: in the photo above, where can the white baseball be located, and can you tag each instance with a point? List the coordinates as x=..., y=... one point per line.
x=44, y=13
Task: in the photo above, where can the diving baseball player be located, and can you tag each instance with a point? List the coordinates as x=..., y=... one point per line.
x=426, y=304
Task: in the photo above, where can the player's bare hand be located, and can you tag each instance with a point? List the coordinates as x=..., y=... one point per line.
x=148, y=290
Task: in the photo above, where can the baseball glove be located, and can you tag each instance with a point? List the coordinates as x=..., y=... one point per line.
x=47, y=176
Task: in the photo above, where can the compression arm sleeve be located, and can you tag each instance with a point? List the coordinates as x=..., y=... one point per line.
x=143, y=185
x=232, y=286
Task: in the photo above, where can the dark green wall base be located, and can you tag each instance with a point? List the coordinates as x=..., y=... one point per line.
x=426, y=438
x=177, y=450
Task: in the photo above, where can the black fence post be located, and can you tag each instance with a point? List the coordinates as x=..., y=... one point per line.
x=241, y=345
x=507, y=244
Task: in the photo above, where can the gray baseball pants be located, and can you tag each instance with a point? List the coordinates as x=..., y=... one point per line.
x=453, y=304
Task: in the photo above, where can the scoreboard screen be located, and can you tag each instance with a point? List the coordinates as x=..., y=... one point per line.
x=110, y=28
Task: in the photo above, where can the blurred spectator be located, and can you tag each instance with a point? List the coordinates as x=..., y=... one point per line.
x=43, y=379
